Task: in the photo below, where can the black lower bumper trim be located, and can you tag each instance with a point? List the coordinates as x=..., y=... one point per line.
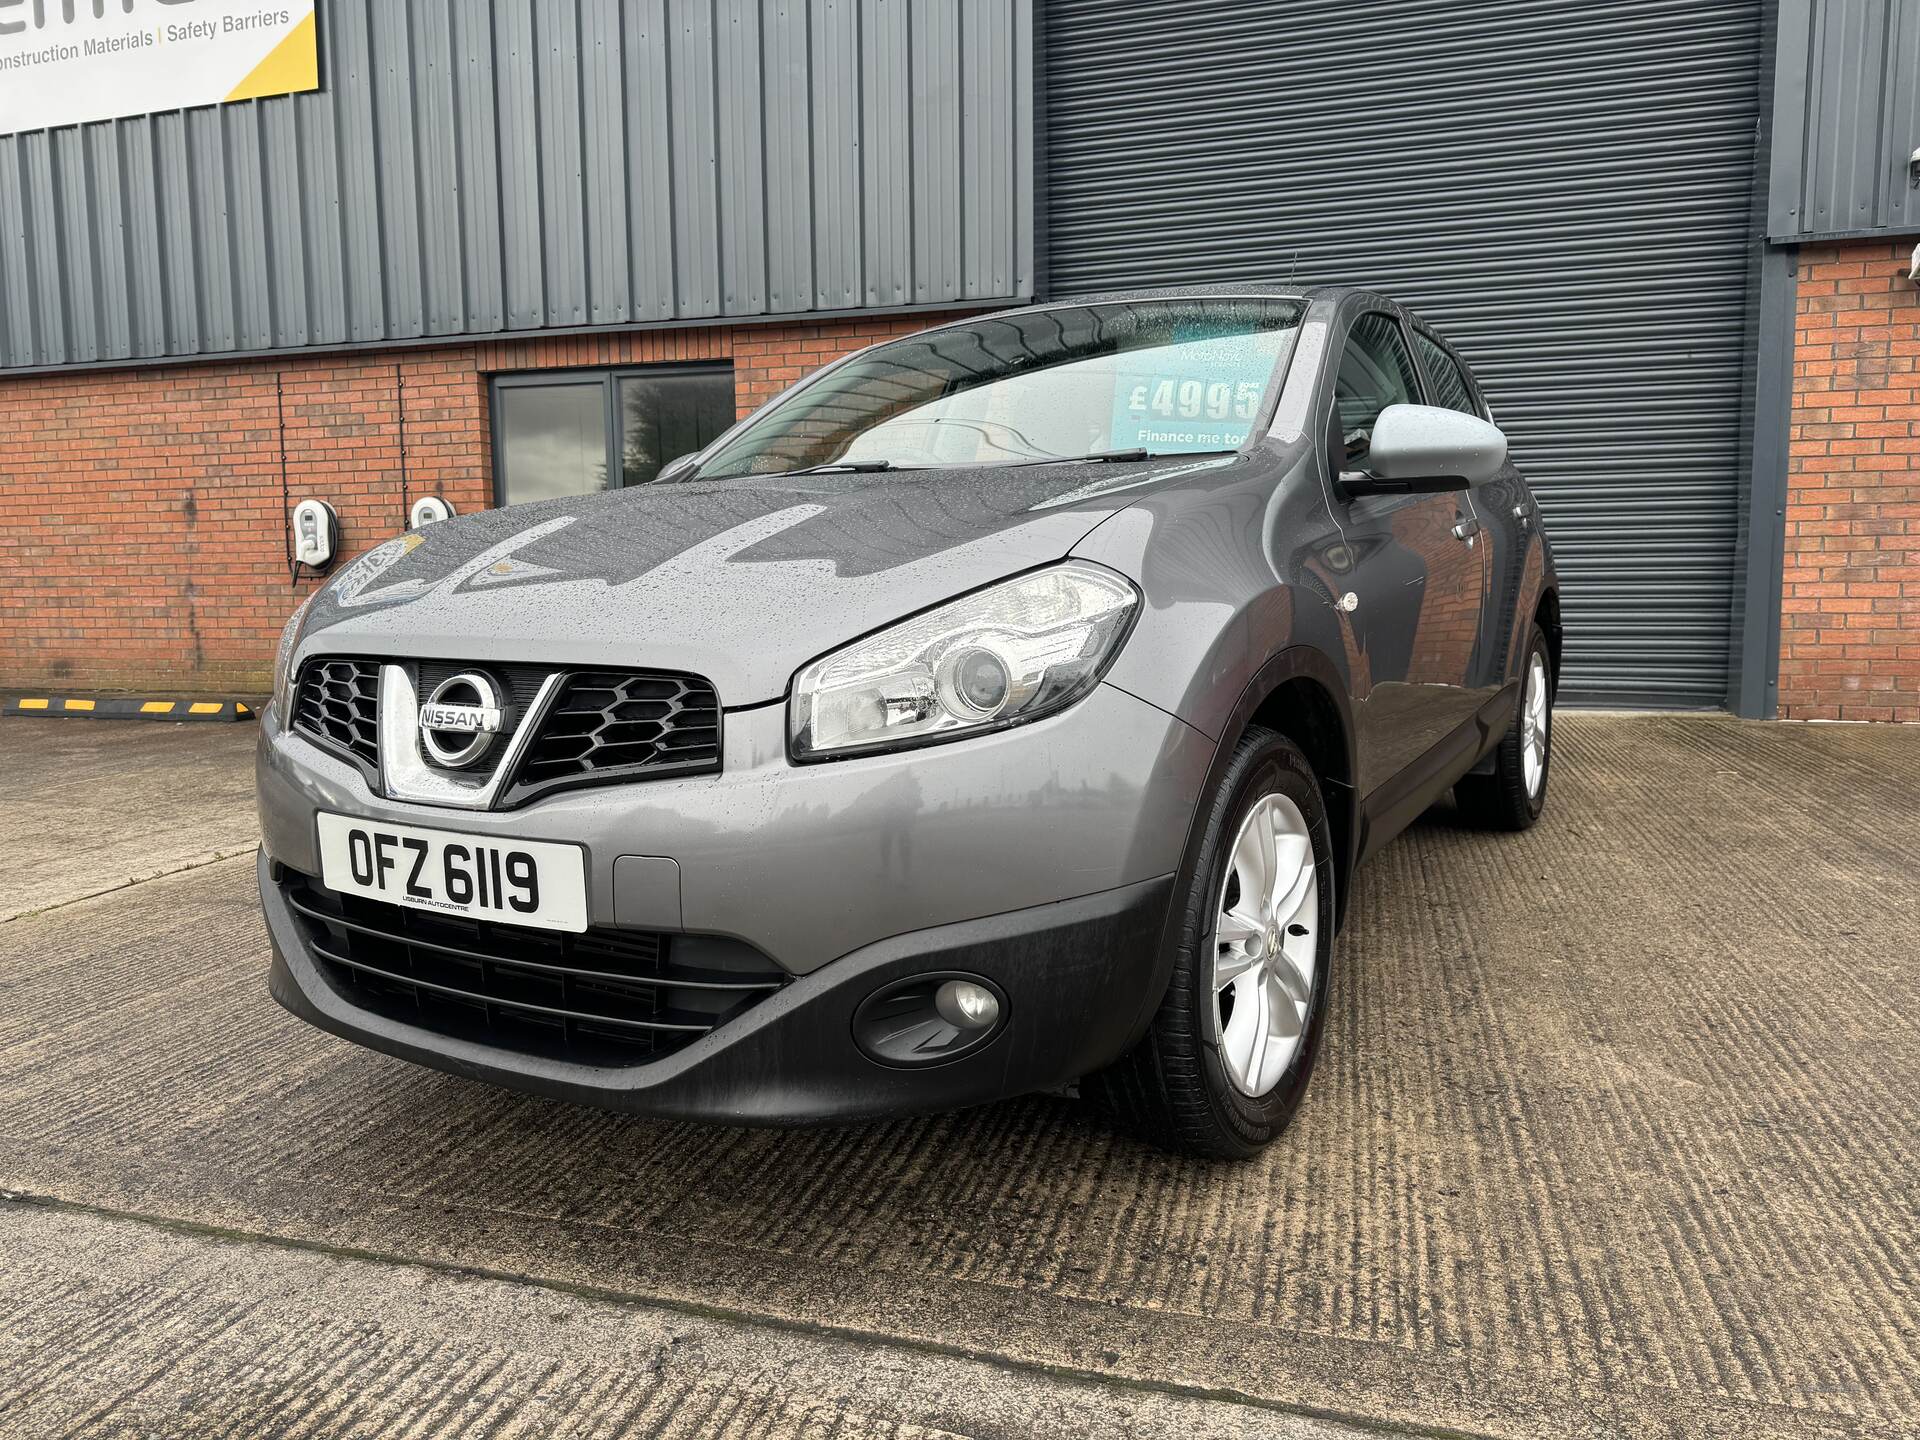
x=1074, y=974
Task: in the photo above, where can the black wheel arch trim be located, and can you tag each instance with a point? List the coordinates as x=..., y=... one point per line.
x=1296, y=662
x=1547, y=606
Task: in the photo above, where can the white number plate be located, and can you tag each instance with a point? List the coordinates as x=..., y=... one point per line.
x=519, y=882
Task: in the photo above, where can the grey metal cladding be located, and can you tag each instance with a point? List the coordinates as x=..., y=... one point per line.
x=473, y=168
x=1564, y=190
x=1846, y=119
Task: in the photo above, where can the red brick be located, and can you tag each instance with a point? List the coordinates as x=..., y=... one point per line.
x=142, y=521
x=1851, y=580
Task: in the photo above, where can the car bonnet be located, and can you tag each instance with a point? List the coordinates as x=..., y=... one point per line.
x=740, y=581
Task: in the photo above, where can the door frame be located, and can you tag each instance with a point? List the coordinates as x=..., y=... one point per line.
x=1340, y=508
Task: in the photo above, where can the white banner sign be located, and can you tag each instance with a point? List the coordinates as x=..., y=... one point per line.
x=65, y=62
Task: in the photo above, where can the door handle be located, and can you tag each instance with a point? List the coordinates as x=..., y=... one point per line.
x=1466, y=530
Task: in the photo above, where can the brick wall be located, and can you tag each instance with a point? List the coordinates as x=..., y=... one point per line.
x=1850, y=611
x=143, y=511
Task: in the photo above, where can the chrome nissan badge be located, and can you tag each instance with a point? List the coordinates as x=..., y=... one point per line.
x=459, y=719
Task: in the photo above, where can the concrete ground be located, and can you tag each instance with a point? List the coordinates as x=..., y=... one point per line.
x=1616, y=1132
x=92, y=805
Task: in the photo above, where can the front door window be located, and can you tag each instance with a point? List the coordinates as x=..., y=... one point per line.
x=1376, y=371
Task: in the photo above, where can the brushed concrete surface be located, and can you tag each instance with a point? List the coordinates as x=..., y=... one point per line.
x=122, y=1328
x=1617, y=1131
x=90, y=805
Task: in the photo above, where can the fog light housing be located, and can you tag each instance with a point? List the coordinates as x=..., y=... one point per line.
x=929, y=1019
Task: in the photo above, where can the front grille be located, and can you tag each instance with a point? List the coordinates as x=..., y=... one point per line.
x=609, y=725
x=337, y=702
x=600, y=726
x=602, y=997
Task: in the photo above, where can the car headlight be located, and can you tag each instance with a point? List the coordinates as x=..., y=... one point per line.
x=1012, y=652
x=283, y=661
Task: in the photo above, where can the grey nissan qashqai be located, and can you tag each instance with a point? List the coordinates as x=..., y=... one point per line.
x=1002, y=708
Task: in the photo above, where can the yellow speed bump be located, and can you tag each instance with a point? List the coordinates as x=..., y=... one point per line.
x=126, y=707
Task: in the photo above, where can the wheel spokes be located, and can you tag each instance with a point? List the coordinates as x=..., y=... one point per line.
x=1533, y=725
x=1301, y=888
x=1292, y=975
x=1286, y=1003
x=1253, y=859
x=1234, y=959
x=1266, y=944
x=1248, y=1034
x=1237, y=926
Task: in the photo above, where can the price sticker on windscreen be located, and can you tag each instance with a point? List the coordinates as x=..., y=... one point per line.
x=1198, y=394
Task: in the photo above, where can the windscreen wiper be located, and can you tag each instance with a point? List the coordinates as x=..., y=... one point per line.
x=832, y=467
x=846, y=467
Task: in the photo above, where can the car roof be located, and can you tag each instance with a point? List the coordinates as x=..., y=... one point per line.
x=1218, y=290
x=1223, y=289
x=1336, y=295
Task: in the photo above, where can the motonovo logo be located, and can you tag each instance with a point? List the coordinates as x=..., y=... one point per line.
x=18, y=16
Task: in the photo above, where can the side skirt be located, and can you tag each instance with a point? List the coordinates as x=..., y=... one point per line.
x=1403, y=799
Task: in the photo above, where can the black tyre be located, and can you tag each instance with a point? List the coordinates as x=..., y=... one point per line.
x=1512, y=797
x=1226, y=1060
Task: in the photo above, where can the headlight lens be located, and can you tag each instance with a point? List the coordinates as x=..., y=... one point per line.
x=1012, y=652
x=283, y=661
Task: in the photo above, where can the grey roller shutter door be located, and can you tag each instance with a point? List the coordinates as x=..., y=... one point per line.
x=1563, y=189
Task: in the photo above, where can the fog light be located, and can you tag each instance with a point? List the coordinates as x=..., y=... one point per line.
x=929, y=1019
x=963, y=1003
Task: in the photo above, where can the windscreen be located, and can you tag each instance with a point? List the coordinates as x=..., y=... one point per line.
x=1168, y=377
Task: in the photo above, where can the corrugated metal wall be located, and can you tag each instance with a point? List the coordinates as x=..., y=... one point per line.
x=472, y=168
x=1565, y=189
x=1846, y=119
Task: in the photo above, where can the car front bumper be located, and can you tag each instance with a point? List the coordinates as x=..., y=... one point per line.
x=1040, y=858
x=1075, y=974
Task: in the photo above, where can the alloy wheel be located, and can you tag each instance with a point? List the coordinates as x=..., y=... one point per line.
x=1266, y=940
x=1533, y=725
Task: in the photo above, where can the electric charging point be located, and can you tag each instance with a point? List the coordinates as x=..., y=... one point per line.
x=316, y=534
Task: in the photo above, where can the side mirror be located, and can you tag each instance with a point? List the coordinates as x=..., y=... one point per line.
x=678, y=469
x=1420, y=449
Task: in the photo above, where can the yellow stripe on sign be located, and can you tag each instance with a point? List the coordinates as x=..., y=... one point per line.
x=203, y=707
x=33, y=704
x=77, y=704
x=157, y=707
x=292, y=65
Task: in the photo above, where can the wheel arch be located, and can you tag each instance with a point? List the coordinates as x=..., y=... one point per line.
x=1307, y=703
x=1546, y=614
x=1300, y=693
